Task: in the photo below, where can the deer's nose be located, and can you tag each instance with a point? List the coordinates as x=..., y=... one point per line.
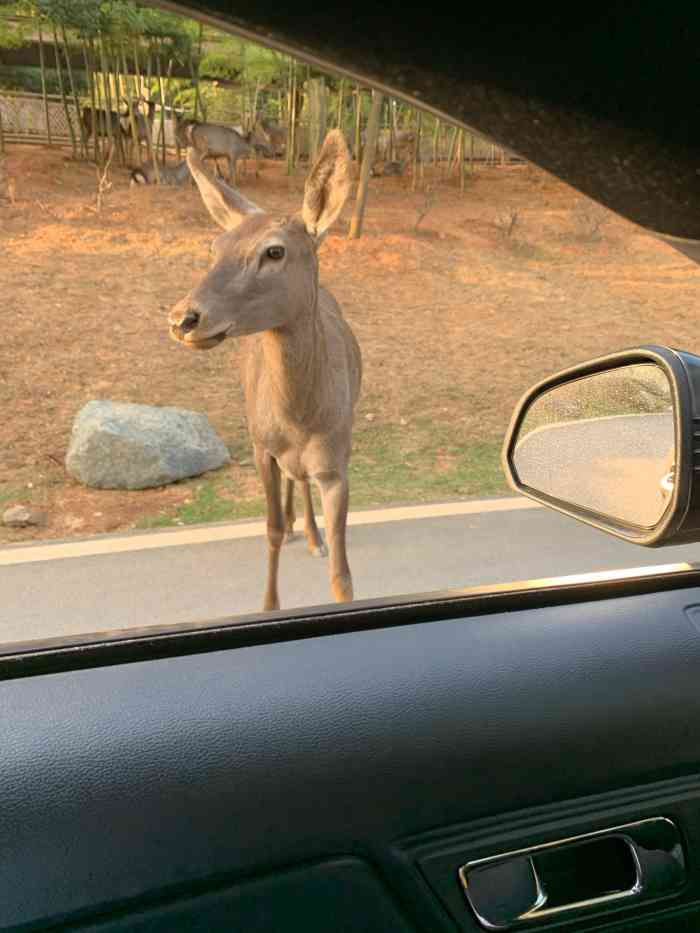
x=189, y=322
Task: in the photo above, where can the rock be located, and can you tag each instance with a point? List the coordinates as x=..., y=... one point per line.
x=19, y=516
x=118, y=445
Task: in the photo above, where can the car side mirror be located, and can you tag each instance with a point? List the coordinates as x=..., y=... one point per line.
x=615, y=443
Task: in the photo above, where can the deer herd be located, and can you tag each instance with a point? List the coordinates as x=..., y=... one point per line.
x=301, y=364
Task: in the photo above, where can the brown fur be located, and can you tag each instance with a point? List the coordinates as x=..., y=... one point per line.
x=301, y=363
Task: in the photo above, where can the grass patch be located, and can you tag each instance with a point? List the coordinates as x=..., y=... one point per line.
x=211, y=501
x=423, y=461
x=10, y=494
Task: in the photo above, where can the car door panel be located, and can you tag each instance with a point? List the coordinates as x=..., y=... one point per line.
x=142, y=780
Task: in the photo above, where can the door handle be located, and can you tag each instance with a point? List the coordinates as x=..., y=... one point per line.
x=631, y=862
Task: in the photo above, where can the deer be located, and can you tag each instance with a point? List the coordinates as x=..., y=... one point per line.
x=105, y=123
x=275, y=134
x=144, y=122
x=218, y=142
x=301, y=363
x=169, y=174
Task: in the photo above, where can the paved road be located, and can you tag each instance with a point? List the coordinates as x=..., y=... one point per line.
x=165, y=580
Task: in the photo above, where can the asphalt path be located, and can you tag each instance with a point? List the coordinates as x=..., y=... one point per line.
x=195, y=574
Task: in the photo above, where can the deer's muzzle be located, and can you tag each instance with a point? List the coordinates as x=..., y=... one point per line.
x=183, y=327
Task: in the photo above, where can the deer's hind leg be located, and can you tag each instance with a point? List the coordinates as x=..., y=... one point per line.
x=314, y=540
x=289, y=514
x=270, y=475
x=335, y=496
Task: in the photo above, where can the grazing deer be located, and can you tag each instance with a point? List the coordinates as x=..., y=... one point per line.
x=169, y=174
x=301, y=362
x=212, y=141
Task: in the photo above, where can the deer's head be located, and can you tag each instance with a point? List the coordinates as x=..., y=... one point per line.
x=264, y=272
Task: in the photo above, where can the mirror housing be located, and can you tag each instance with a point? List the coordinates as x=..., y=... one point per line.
x=680, y=521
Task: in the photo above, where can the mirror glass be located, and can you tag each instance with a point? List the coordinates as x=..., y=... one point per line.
x=604, y=442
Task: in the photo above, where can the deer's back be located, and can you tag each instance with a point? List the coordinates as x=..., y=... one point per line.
x=208, y=138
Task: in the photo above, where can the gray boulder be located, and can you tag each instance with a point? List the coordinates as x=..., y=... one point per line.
x=117, y=445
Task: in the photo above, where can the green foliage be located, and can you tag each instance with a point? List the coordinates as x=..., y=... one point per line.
x=12, y=34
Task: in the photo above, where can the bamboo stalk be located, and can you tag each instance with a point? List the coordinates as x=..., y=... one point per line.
x=107, y=93
x=149, y=135
x=132, y=95
x=59, y=76
x=42, y=67
x=76, y=103
x=164, y=86
x=89, y=71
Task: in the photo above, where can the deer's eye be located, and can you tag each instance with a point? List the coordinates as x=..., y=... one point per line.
x=275, y=252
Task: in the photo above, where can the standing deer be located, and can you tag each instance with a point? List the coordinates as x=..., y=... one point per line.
x=213, y=141
x=301, y=362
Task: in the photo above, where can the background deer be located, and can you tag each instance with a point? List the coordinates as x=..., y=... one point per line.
x=212, y=141
x=301, y=362
x=169, y=174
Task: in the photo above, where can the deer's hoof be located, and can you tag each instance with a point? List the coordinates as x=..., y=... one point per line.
x=289, y=537
x=320, y=551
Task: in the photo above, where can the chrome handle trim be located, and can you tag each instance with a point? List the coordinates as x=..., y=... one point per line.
x=539, y=910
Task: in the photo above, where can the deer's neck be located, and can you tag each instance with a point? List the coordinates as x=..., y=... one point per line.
x=295, y=359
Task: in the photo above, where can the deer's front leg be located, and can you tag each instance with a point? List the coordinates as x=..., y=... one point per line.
x=270, y=475
x=335, y=495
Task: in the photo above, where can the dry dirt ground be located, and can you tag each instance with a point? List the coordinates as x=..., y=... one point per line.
x=455, y=320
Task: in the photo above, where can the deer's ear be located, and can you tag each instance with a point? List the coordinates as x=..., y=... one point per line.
x=227, y=206
x=327, y=186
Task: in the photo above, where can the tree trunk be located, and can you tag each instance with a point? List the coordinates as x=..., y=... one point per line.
x=42, y=67
x=2, y=137
x=341, y=103
x=451, y=149
x=460, y=156
x=317, y=116
x=416, y=150
x=165, y=102
x=291, y=129
x=436, y=144
x=392, y=131
x=358, y=123
x=194, y=72
x=358, y=213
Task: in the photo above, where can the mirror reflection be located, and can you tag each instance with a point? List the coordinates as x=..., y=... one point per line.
x=605, y=442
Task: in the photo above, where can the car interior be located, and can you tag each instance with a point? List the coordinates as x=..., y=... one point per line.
x=515, y=756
